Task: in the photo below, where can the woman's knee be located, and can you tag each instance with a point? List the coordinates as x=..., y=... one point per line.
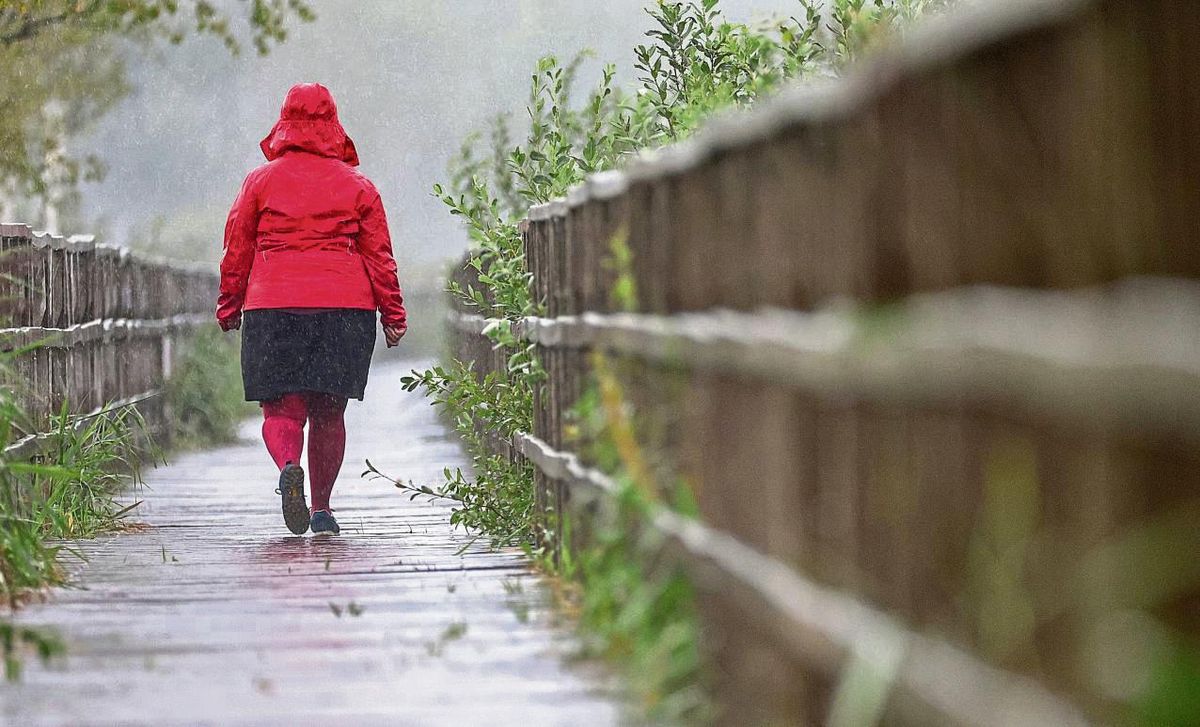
x=288, y=406
x=325, y=408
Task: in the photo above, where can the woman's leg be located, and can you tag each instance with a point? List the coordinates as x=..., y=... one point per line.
x=326, y=444
x=283, y=428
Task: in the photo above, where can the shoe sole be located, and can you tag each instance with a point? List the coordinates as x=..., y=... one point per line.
x=295, y=508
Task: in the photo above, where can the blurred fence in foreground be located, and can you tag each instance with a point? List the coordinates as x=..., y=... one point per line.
x=106, y=321
x=925, y=344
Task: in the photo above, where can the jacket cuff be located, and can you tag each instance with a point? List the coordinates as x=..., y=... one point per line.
x=400, y=322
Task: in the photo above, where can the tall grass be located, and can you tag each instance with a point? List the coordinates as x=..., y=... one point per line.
x=26, y=561
x=68, y=490
x=87, y=462
x=14, y=638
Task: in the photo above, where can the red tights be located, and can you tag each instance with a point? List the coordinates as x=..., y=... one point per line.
x=283, y=432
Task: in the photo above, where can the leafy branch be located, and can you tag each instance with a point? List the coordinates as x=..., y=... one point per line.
x=23, y=20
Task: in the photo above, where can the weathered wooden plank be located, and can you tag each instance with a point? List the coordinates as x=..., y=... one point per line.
x=1129, y=356
x=78, y=301
x=99, y=330
x=1020, y=145
x=33, y=444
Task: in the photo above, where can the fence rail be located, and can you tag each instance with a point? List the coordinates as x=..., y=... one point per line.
x=91, y=324
x=924, y=339
x=827, y=630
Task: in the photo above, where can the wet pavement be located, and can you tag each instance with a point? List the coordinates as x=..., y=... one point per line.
x=215, y=614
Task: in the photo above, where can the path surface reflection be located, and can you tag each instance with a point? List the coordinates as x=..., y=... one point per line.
x=216, y=615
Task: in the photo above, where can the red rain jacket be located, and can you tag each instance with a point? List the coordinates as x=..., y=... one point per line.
x=307, y=230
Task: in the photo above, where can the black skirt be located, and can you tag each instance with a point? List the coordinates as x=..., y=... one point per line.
x=325, y=351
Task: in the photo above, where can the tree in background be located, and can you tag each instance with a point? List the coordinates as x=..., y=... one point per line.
x=61, y=68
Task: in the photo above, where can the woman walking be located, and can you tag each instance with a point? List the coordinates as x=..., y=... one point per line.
x=308, y=261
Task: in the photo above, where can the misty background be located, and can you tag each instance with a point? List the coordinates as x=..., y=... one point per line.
x=411, y=79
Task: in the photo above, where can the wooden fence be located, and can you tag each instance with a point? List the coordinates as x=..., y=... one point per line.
x=106, y=321
x=925, y=345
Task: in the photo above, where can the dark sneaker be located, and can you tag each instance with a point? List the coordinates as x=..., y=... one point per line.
x=295, y=508
x=324, y=524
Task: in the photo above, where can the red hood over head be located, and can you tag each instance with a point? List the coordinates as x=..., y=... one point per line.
x=309, y=122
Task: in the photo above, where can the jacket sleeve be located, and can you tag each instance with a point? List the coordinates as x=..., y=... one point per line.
x=375, y=246
x=240, y=231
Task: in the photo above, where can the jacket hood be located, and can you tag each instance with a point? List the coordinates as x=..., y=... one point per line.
x=309, y=122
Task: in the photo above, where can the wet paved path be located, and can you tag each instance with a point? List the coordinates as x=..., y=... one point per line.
x=217, y=615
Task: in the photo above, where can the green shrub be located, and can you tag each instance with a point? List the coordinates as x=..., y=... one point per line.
x=67, y=491
x=12, y=638
x=696, y=63
x=87, y=462
x=204, y=391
